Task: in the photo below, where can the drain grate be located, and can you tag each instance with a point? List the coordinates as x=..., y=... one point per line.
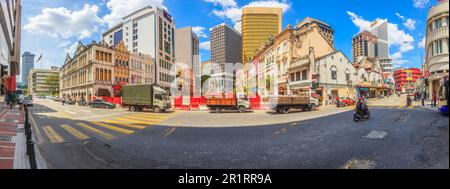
x=6, y=138
x=359, y=164
x=376, y=135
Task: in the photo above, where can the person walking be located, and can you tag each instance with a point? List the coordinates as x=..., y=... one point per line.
x=434, y=98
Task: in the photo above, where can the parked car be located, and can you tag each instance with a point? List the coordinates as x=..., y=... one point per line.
x=56, y=98
x=99, y=103
x=70, y=102
x=345, y=101
x=28, y=101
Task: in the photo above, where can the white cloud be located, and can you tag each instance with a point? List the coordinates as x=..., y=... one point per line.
x=359, y=21
x=422, y=43
x=71, y=50
x=223, y=3
x=61, y=22
x=199, y=31
x=420, y=3
x=64, y=44
x=397, y=37
x=234, y=13
x=205, y=45
x=121, y=8
x=407, y=22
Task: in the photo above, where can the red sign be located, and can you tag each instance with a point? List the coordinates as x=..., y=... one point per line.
x=427, y=74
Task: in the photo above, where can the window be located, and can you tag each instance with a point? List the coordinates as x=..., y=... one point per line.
x=439, y=46
x=297, y=76
x=304, y=74
x=333, y=73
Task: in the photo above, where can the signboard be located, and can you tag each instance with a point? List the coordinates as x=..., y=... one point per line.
x=427, y=74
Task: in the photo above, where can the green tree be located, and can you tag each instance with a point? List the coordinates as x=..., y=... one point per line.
x=204, y=78
x=52, y=81
x=268, y=80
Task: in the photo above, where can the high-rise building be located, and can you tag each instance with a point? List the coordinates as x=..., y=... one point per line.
x=380, y=28
x=364, y=44
x=225, y=45
x=437, y=45
x=187, y=48
x=150, y=31
x=27, y=65
x=10, y=29
x=258, y=24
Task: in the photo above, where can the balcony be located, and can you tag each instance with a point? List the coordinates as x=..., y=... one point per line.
x=436, y=34
x=105, y=83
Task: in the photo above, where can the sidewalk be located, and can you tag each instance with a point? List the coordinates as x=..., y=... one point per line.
x=12, y=138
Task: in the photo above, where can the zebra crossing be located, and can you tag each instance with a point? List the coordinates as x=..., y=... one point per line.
x=107, y=129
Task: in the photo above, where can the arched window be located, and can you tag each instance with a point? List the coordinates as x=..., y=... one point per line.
x=333, y=72
x=347, y=75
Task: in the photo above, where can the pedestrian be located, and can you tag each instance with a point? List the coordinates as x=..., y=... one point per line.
x=434, y=98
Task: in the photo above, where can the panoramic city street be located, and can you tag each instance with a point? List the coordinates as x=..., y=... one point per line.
x=224, y=85
x=395, y=136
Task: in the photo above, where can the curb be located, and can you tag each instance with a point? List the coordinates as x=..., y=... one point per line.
x=40, y=161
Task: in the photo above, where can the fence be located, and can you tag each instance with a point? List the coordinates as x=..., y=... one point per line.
x=29, y=141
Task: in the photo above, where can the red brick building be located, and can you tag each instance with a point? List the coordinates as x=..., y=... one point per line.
x=404, y=76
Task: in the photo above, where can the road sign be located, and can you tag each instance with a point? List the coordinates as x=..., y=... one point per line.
x=427, y=74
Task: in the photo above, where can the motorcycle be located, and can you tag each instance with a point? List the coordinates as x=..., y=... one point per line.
x=361, y=113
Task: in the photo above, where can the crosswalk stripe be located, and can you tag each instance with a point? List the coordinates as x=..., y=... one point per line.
x=96, y=131
x=77, y=134
x=114, y=128
x=53, y=135
x=144, y=118
x=124, y=124
x=131, y=121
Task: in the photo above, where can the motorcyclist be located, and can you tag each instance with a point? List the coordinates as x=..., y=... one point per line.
x=361, y=106
x=408, y=100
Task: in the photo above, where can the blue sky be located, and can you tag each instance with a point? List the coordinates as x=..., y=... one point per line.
x=53, y=27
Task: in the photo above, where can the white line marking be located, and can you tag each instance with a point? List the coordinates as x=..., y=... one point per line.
x=86, y=111
x=70, y=112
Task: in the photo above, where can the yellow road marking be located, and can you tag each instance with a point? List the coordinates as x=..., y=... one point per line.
x=53, y=135
x=118, y=129
x=124, y=124
x=411, y=107
x=151, y=116
x=65, y=115
x=170, y=131
x=77, y=134
x=400, y=107
x=96, y=131
x=144, y=119
x=137, y=121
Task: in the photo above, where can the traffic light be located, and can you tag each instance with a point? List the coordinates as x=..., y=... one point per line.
x=3, y=70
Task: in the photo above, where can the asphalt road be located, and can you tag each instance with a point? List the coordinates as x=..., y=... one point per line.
x=395, y=137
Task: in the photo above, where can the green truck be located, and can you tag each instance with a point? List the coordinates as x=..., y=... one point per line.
x=145, y=96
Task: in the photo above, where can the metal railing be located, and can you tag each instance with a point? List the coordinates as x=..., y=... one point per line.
x=29, y=141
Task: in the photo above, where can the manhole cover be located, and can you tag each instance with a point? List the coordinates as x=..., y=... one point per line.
x=359, y=164
x=376, y=135
x=6, y=138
